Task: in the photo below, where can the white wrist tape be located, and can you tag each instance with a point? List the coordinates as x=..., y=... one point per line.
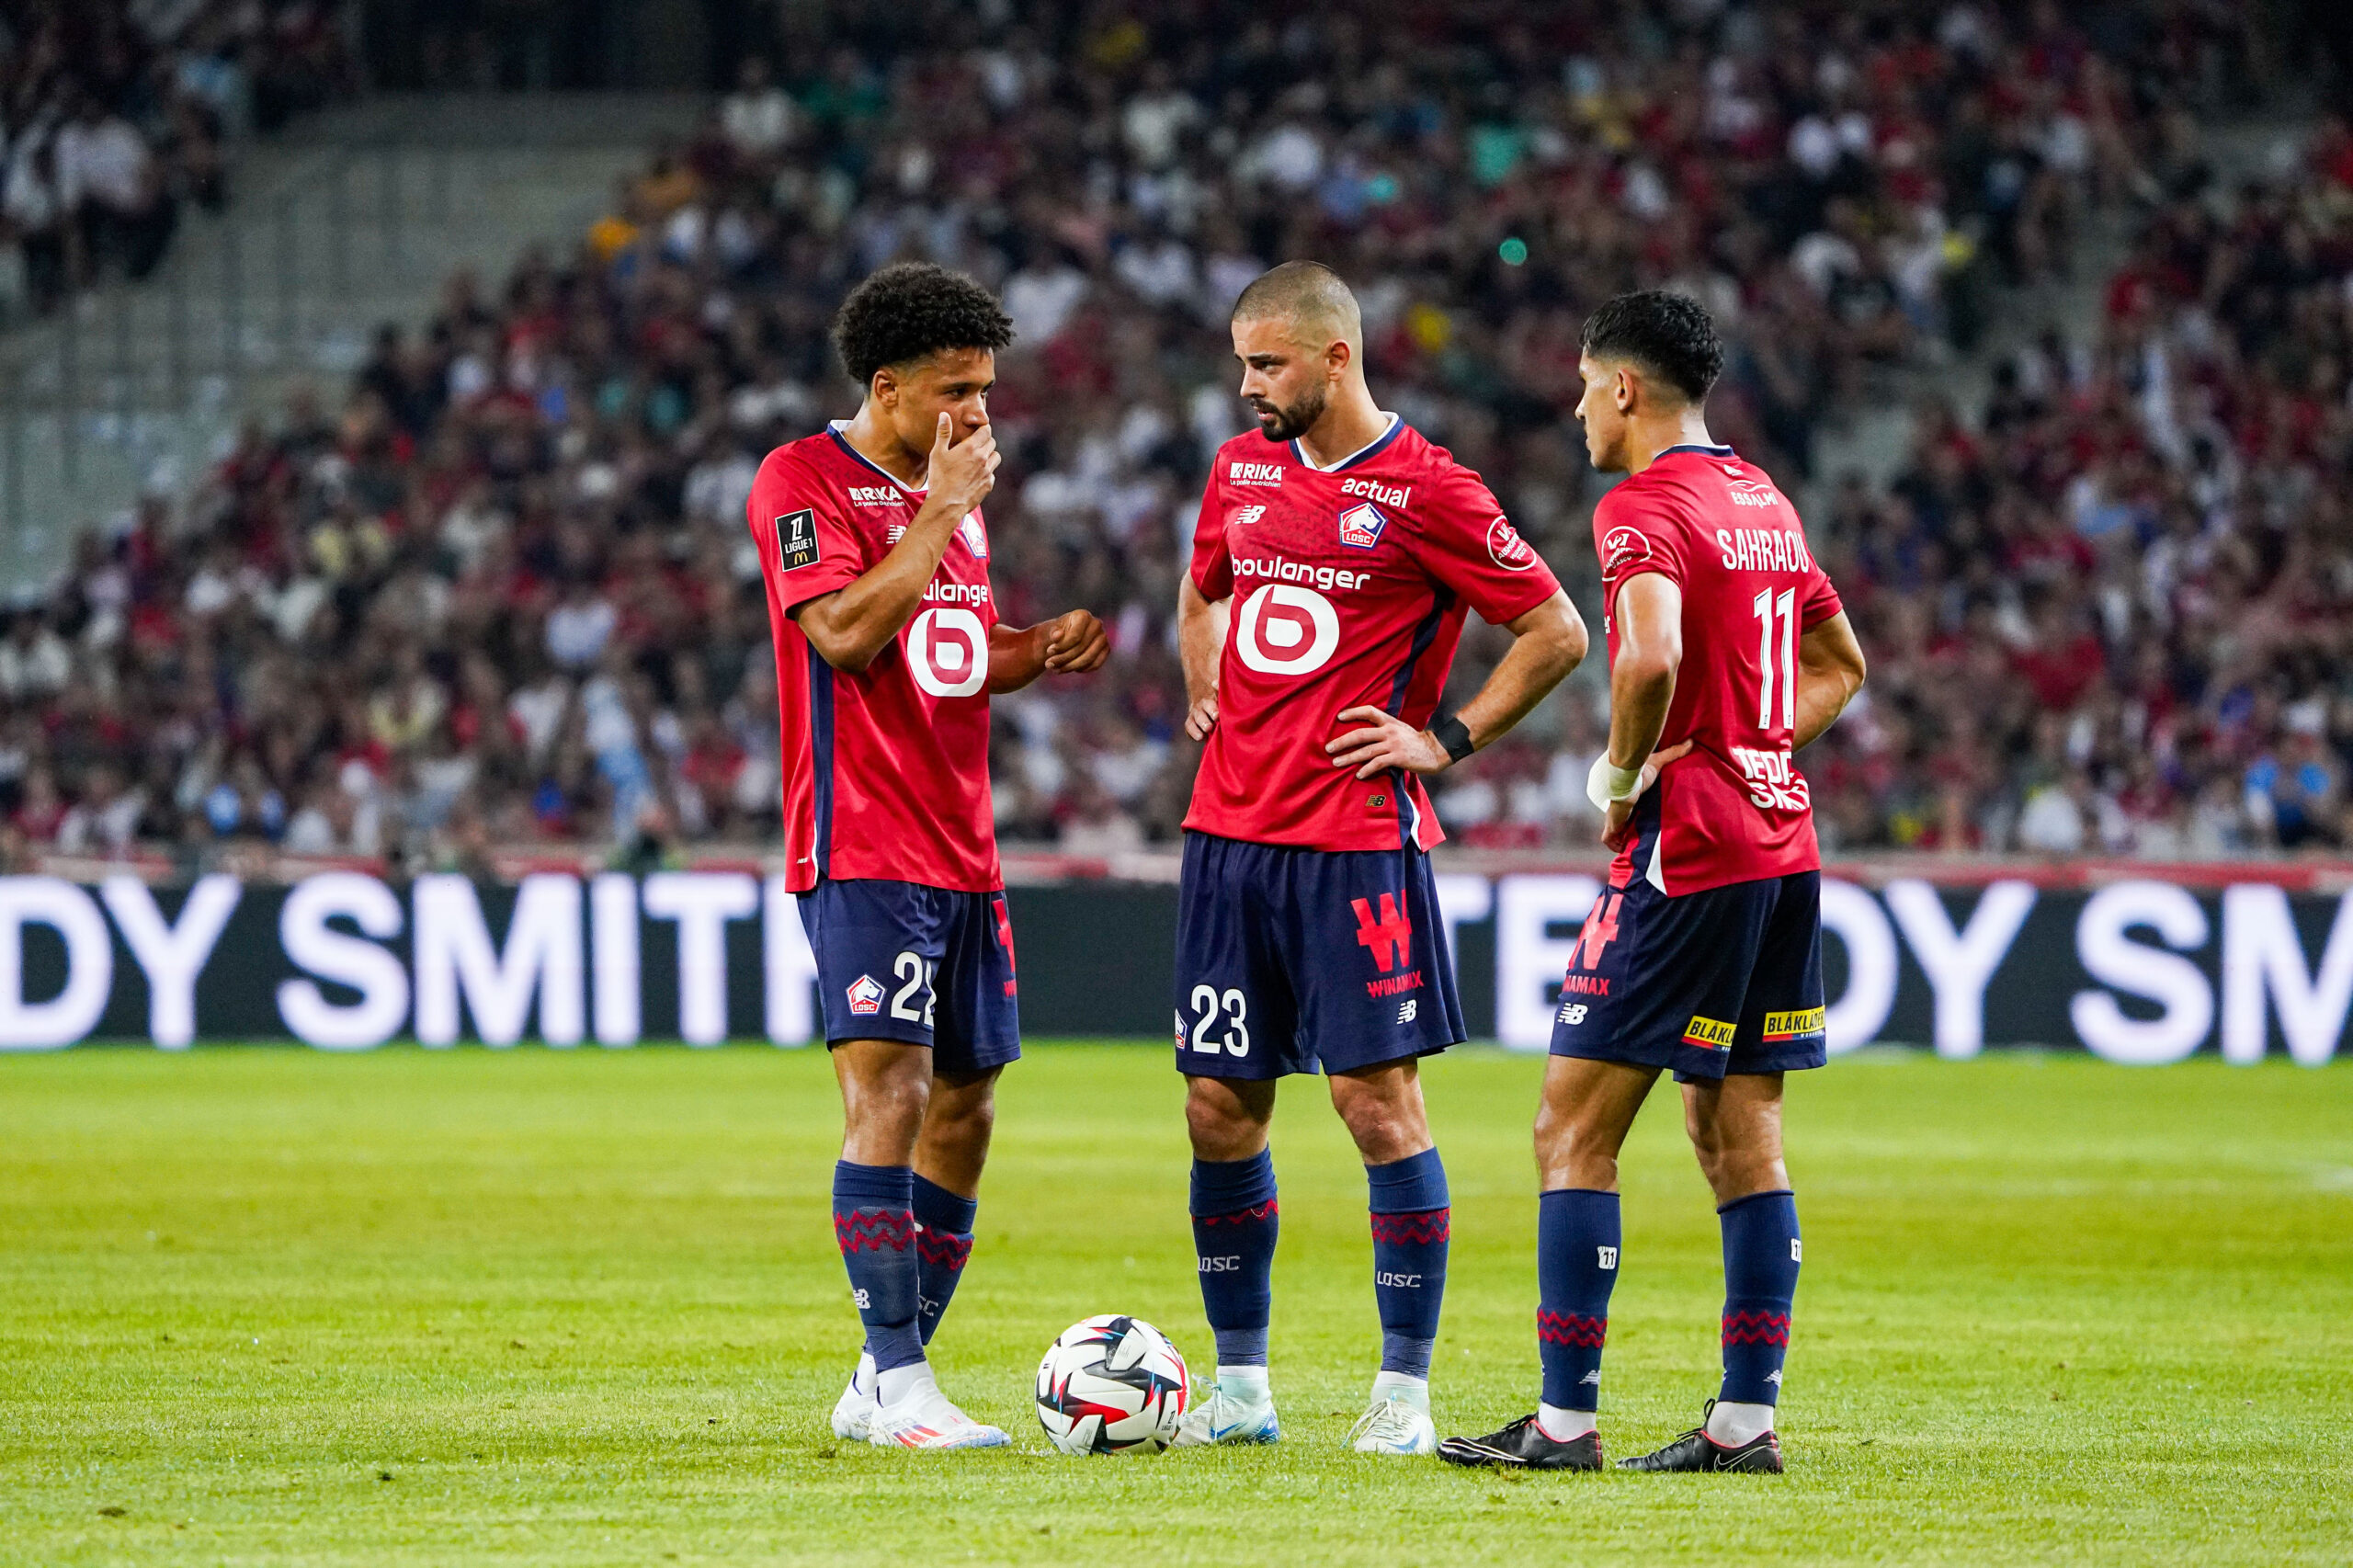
x=1606, y=783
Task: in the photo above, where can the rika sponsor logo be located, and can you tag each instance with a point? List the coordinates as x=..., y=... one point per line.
x=875, y=496
x=865, y=996
x=1360, y=526
x=1621, y=547
x=1244, y=516
x=1505, y=548
x=1255, y=474
x=1709, y=1034
x=1373, y=490
x=1795, y=1025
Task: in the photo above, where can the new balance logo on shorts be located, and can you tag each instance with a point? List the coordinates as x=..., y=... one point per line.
x=1407, y=1009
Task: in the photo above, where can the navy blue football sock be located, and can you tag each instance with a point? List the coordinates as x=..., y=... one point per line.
x=1576, y=1265
x=874, y=1225
x=1235, y=1219
x=943, y=1243
x=1761, y=1255
x=1411, y=1222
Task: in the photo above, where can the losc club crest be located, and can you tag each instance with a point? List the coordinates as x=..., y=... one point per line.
x=865, y=996
x=976, y=539
x=1360, y=526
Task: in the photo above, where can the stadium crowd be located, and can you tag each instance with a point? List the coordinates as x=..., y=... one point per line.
x=113, y=114
x=502, y=592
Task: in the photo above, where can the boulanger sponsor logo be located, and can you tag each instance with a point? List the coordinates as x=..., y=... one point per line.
x=1710, y=1034
x=1255, y=474
x=1276, y=569
x=1505, y=548
x=865, y=996
x=1360, y=526
x=1285, y=630
x=1621, y=547
x=941, y=591
x=948, y=651
x=1795, y=1025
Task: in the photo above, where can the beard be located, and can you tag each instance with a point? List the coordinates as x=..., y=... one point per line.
x=1284, y=423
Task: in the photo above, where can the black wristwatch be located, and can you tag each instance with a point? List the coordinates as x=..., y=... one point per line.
x=1455, y=736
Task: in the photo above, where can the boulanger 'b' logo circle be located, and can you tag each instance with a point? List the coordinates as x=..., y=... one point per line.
x=948, y=651
x=1281, y=616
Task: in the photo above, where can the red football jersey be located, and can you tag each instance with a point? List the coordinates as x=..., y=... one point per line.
x=1736, y=809
x=1349, y=586
x=886, y=773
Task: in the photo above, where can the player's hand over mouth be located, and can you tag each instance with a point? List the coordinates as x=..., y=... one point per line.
x=1619, y=825
x=1386, y=741
x=1075, y=643
x=962, y=474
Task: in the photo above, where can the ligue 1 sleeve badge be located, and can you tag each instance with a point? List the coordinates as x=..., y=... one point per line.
x=1621, y=547
x=1362, y=524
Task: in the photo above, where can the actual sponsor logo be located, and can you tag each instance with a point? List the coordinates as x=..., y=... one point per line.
x=865, y=996
x=875, y=496
x=1279, y=618
x=1709, y=1034
x=1360, y=526
x=1505, y=548
x=948, y=651
x=1255, y=474
x=1244, y=516
x=1621, y=547
x=1795, y=1025
x=1373, y=490
x=796, y=538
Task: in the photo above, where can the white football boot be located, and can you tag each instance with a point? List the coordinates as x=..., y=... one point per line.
x=854, y=1412
x=1395, y=1424
x=1232, y=1410
x=923, y=1418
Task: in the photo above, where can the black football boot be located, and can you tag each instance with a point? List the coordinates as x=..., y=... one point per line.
x=1523, y=1446
x=1695, y=1450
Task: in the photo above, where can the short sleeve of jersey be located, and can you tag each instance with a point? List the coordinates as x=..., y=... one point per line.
x=1212, y=567
x=1467, y=544
x=1634, y=533
x=797, y=522
x=1822, y=600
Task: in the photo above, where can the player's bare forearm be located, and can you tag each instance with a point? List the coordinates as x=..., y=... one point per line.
x=1072, y=644
x=1830, y=671
x=1642, y=678
x=1200, y=641
x=851, y=625
x=1547, y=642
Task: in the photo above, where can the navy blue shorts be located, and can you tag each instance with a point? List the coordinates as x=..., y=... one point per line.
x=1288, y=959
x=929, y=965
x=1724, y=980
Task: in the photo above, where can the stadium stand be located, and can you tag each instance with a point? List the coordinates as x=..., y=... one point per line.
x=503, y=592
x=116, y=113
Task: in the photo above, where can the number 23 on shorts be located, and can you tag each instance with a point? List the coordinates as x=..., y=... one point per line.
x=1212, y=1008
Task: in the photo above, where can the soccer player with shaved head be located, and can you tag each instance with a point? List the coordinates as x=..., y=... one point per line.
x=1728, y=654
x=888, y=647
x=1336, y=554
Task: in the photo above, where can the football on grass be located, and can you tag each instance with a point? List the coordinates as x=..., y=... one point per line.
x=1109, y=1385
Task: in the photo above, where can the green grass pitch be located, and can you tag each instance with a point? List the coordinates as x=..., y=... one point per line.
x=267, y=1306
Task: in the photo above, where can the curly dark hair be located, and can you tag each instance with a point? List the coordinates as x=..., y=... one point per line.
x=1668, y=336
x=910, y=308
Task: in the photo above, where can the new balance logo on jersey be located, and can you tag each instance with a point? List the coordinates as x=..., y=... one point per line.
x=1243, y=516
x=796, y=539
x=1408, y=1009
x=875, y=496
x=1373, y=490
x=1255, y=474
x=865, y=996
x=1360, y=526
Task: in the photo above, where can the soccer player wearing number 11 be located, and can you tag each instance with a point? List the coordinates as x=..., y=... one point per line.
x=1728, y=651
x=1308, y=929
